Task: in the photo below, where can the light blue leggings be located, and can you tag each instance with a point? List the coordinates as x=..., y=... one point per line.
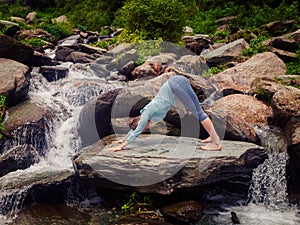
x=182, y=89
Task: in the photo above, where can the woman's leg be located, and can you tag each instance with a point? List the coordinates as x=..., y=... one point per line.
x=182, y=89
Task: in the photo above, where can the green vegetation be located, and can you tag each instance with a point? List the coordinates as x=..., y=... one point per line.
x=2, y=110
x=294, y=66
x=140, y=206
x=160, y=20
x=35, y=42
x=153, y=19
x=256, y=46
x=214, y=70
x=147, y=48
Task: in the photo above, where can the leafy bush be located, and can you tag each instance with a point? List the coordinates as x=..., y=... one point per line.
x=153, y=19
x=35, y=42
x=256, y=46
x=58, y=30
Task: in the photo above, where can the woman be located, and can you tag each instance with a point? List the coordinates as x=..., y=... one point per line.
x=176, y=91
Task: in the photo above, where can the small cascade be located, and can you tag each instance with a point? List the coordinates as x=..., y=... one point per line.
x=269, y=184
x=267, y=203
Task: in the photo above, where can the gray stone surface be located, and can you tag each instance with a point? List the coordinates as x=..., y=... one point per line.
x=162, y=164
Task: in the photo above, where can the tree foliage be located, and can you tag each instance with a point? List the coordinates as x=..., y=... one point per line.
x=154, y=19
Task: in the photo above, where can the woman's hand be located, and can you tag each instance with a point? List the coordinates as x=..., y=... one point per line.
x=117, y=142
x=119, y=147
x=116, y=148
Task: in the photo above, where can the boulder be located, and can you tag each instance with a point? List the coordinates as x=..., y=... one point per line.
x=282, y=43
x=36, y=33
x=10, y=48
x=79, y=57
x=22, y=126
x=227, y=53
x=53, y=73
x=91, y=50
x=296, y=36
x=164, y=164
x=197, y=43
x=31, y=17
x=95, y=118
x=46, y=184
x=122, y=59
x=62, y=52
x=14, y=80
x=240, y=77
x=187, y=211
x=11, y=28
x=280, y=26
x=264, y=88
x=17, y=158
x=286, y=104
x=242, y=114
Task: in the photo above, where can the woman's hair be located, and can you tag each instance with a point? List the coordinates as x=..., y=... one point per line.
x=133, y=122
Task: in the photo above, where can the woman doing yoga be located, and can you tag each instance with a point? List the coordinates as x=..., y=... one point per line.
x=176, y=90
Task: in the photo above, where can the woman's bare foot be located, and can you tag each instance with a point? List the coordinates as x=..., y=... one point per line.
x=211, y=147
x=206, y=140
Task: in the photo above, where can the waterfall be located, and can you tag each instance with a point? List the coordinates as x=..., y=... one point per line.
x=60, y=140
x=269, y=184
x=267, y=200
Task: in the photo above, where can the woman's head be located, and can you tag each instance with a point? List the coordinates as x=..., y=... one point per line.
x=133, y=123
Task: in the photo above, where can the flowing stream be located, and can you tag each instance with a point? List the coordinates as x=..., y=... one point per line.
x=268, y=203
x=66, y=97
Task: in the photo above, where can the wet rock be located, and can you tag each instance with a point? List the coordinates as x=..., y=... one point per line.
x=164, y=164
x=14, y=80
x=227, y=53
x=53, y=73
x=46, y=185
x=99, y=69
x=17, y=158
x=63, y=52
x=241, y=113
x=240, y=77
x=61, y=214
x=41, y=59
x=188, y=211
x=25, y=127
x=79, y=57
x=234, y=218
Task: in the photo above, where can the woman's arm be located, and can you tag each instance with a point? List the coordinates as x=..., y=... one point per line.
x=132, y=134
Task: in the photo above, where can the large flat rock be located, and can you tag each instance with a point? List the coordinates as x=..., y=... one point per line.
x=163, y=164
